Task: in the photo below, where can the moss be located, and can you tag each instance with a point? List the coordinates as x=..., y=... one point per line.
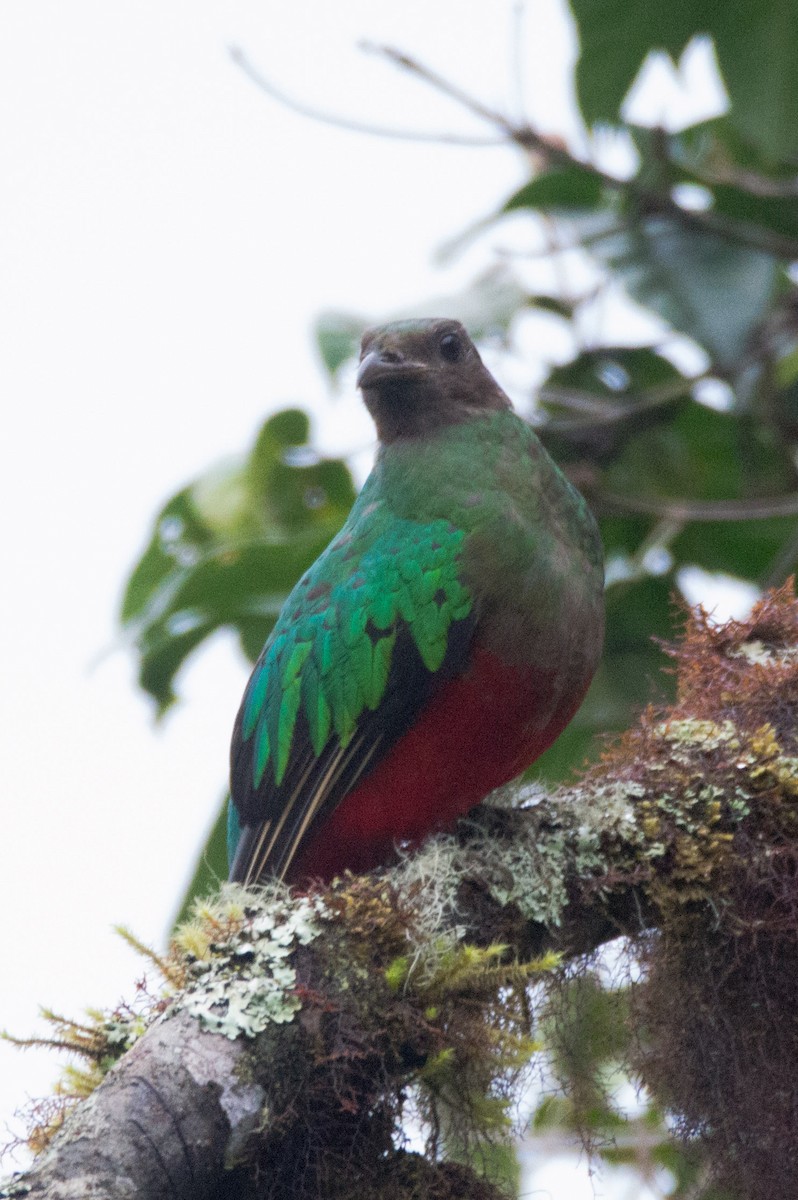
x=397, y=1010
x=720, y=775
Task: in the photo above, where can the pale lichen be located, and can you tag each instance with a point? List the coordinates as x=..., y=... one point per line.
x=578, y=839
x=698, y=734
x=756, y=651
x=534, y=871
x=245, y=979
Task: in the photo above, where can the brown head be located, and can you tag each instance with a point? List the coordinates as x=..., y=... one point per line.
x=418, y=376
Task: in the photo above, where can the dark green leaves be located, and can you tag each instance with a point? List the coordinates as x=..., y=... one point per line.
x=562, y=189
x=699, y=454
x=615, y=38
x=710, y=287
x=756, y=46
x=226, y=550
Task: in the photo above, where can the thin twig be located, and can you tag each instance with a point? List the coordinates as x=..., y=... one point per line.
x=758, y=508
x=602, y=409
x=553, y=152
x=407, y=63
x=747, y=181
x=305, y=110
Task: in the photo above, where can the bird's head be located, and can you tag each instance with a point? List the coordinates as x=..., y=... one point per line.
x=418, y=376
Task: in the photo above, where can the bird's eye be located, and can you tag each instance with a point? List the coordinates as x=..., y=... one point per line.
x=451, y=348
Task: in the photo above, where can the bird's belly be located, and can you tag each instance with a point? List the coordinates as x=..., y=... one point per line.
x=480, y=730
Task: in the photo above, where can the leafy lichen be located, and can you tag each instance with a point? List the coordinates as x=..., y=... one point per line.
x=241, y=979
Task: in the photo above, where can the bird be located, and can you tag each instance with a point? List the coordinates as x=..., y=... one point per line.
x=439, y=644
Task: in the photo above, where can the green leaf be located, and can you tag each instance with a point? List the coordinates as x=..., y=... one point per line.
x=564, y=188
x=639, y=611
x=608, y=379
x=757, y=48
x=623, y=535
x=337, y=339
x=226, y=551
x=615, y=36
x=315, y=494
x=553, y=1112
x=553, y=304
x=242, y=587
x=701, y=454
x=290, y=427
x=621, y=373
x=715, y=148
x=756, y=45
x=779, y=214
x=178, y=536
x=746, y=549
x=715, y=290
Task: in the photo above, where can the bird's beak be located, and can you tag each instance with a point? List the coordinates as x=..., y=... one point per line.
x=379, y=366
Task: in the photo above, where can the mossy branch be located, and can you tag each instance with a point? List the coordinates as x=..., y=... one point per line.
x=299, y=1027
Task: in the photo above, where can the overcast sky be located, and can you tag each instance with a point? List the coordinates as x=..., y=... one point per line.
x=167, y=235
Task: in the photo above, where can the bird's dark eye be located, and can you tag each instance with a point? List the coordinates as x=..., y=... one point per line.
x=451, y=348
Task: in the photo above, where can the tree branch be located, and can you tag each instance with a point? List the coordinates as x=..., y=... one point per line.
x=303, y=1022
x=552, y=151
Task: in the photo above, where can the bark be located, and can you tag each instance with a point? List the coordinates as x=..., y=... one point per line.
x=160, y=1125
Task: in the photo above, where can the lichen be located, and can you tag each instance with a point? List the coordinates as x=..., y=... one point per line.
x=698, y=734
x=755, y=651
x=241, y=979
x=14, y=1188
x=578, y=838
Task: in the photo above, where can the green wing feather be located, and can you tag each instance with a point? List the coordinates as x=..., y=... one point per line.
x=380, y=615
x=330, y=652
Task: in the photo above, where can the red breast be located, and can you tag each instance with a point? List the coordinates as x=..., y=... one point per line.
x=480, y=730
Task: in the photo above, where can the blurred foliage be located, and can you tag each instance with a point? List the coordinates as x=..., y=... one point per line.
x=684, y=468
x=224, y=553
x=756, y=47
x=586, y=1024
x=226, y=550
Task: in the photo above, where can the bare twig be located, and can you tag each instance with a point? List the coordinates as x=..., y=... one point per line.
x=305, y=110
x=554, y=152
x=603, y=411
x=758, y=508
x=407, y=63
x=748, y=181
x=542, y=149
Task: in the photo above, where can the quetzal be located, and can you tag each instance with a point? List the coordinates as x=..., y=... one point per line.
x=439, y=644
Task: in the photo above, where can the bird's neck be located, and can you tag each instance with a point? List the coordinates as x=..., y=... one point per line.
x=409, y=410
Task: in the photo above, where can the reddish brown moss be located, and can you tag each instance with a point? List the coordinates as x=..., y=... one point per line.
x=718, y=809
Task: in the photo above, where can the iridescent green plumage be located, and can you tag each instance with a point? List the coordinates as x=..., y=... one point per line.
x=330, y=653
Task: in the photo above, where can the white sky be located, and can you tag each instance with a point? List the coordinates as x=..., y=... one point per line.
x=167, y=235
